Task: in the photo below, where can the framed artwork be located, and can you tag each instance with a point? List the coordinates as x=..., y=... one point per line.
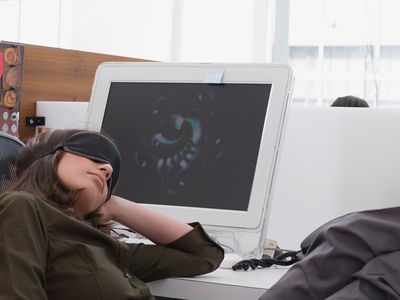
x=11, y=70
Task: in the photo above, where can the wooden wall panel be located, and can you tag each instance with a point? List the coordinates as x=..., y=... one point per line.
x=57, y=75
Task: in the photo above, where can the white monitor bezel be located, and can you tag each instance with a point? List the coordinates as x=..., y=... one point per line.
x=279, y=75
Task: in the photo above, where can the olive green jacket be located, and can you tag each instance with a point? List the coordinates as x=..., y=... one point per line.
x=45, y=254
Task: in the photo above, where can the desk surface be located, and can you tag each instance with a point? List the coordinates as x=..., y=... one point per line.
x=220, y=284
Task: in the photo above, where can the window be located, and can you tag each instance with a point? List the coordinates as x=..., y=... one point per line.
x=340, y=47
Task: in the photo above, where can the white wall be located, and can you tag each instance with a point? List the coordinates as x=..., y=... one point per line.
x=333, y=161
x=136, y=28
x=39, y=24
x=210, y=28
x=9, y=20
x=163, y=30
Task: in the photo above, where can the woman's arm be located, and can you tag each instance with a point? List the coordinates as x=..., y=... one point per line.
x=193, y=254
x=156, y=227
x=181, y=250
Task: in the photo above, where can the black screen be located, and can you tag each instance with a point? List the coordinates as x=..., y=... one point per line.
x=187, y=144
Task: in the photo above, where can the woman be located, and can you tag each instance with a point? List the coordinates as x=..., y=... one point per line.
x=52, y=244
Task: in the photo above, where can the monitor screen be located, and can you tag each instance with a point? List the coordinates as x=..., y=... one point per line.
x=199, y=142
x=187, y=144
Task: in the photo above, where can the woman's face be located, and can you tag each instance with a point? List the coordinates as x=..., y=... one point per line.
x=88, y=178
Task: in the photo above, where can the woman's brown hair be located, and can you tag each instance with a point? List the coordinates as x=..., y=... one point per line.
x=38, y=176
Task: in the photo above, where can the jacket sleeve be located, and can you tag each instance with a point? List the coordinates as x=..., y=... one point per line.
x=193, y=254
x=379, y=279
x=338, y=252
x=23, y=248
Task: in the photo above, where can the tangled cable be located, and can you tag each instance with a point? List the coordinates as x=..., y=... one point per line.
x=284, y=259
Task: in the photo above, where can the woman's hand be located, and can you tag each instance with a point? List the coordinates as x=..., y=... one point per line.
x=157, y=227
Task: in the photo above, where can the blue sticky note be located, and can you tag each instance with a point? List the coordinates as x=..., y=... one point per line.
x=214, y=77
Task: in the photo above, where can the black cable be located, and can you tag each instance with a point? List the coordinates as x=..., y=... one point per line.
x=284, y=259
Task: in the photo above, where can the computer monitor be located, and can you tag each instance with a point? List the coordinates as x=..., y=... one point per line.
x=198, y=142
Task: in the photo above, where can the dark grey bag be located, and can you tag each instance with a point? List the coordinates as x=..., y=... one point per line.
x=356, y=256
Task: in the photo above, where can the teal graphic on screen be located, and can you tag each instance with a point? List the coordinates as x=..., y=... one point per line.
x=187, y=144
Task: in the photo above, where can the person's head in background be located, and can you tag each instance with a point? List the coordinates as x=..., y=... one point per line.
x=349, y=101
x=73, y=170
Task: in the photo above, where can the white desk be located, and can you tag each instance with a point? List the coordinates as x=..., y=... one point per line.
x=220, y=284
